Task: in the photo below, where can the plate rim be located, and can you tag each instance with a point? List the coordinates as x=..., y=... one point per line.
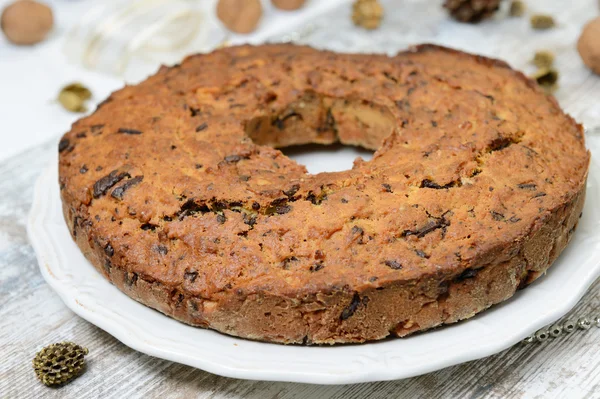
x=41, y=243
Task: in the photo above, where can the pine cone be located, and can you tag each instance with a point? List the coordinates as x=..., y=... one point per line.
x=472, y=11
x=59, y=363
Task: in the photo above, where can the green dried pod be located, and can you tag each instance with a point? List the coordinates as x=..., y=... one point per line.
x=517, y=8
x=472, y=11
x=367, y=13
x=542, y=21
x=547, y=79
x=543, y=59
x=83, y=92
x=73, y=96
x=71, y=101
x=59, y=363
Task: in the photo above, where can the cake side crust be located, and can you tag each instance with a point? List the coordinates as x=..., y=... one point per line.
x=355, y=317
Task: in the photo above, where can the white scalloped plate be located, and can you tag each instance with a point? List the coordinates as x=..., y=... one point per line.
x=92, y=297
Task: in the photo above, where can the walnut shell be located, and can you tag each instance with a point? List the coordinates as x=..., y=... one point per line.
x=239, y=16
x=588, y=45
x=288, y=5
x=26, y=22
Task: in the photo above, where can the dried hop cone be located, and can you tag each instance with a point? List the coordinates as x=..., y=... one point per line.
x=472, y=10
x=59, y=363
x=367, y=13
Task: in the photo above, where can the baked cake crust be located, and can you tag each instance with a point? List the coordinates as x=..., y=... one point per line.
x=174, y=190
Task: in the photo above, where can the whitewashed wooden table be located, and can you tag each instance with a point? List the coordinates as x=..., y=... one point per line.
x=32, y=315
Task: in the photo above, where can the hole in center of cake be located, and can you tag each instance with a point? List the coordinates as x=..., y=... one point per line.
x=326, y=158
x=326, y=134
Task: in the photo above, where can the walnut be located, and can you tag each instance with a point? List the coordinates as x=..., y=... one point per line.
x=239, y=16
x=26, y=22
x=288, y=5
x=588, y=45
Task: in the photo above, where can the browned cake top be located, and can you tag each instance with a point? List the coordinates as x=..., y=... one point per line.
x=177, y=178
